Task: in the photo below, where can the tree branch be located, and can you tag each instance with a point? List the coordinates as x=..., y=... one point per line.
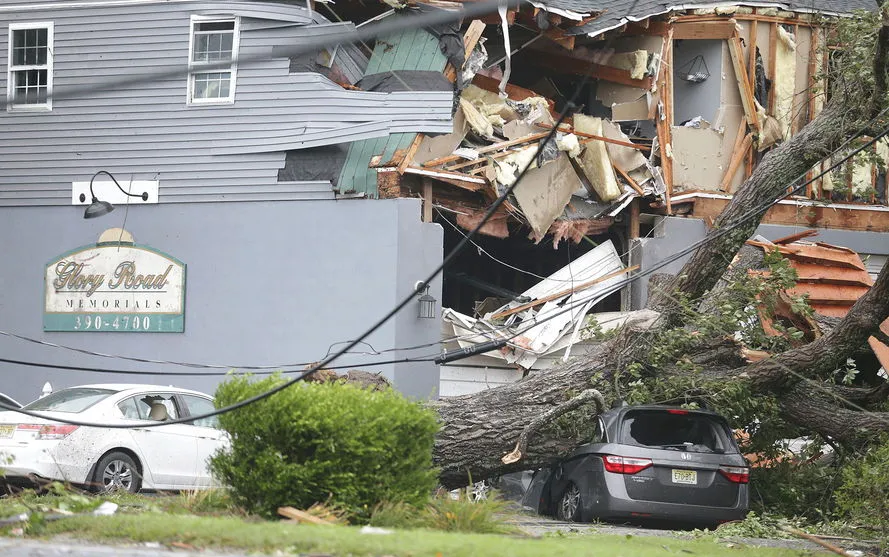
x=881, y=65
x=807, y=405
x=859, y=395
x=550, y=415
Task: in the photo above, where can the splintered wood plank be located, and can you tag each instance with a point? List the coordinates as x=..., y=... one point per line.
x=737, y=55
x=470, y=39
x=301, y=516
x=751, y=47
x=488, y=149
x=634, y=231
x=664, y=121
x=409, y=154
x=593, y=136
x=628, y=179
x=737, y=157
x=773, y=62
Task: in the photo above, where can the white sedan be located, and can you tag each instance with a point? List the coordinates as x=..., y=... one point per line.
x=173, y=456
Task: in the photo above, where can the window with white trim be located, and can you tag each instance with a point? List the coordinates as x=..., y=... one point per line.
x=212, y=70
x=29, y=79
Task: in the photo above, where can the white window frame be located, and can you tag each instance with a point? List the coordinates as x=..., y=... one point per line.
x=11, y=105
x=195, y=19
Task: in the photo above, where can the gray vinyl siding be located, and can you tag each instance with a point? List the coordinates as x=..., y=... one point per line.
x=224, y=152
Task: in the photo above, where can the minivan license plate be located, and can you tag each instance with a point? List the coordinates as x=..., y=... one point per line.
x=6, y=431
x=685, y=477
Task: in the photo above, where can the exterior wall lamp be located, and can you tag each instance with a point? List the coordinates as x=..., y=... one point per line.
x=98, y=208
x=426, y=308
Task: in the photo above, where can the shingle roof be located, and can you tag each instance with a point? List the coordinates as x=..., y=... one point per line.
x=617, y=12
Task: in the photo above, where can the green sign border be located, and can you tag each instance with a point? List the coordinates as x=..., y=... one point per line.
x=158, y=322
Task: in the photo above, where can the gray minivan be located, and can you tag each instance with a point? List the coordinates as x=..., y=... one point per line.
x=648, y=463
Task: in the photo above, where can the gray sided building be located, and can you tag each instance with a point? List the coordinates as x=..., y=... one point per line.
x=198, y=104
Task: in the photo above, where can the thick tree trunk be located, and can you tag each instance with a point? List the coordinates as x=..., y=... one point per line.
x=478, y=430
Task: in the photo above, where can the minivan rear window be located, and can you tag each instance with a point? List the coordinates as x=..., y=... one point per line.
x=73, y=400
x=676, y=431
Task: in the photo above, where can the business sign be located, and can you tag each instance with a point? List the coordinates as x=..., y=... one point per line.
x=117, y=287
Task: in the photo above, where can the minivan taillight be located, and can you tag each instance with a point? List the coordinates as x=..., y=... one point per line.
x=625, y=464
x=736, y=474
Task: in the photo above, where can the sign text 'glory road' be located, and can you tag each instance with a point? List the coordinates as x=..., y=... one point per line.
x=119, y=287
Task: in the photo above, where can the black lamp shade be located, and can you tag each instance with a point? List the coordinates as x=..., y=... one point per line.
x=97, y=209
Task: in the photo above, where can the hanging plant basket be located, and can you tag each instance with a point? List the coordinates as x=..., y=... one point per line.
x=695, y=70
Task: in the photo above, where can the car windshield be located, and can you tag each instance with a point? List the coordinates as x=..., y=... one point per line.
x=676, y=431
x=70, y=400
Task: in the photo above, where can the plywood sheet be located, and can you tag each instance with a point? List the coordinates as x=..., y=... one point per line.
x=699, y=160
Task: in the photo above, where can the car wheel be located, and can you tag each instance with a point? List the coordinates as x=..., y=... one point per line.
x=117, y=472
x=479, y=491
x=569, y=505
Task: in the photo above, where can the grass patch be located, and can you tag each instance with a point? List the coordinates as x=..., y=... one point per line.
x=209, y=520
x=233, y=533
x=446, y=514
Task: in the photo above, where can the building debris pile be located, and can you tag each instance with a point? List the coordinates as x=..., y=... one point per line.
x=547, y=318
x=576, y=183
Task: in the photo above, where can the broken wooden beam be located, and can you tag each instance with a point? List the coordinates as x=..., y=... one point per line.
x=302, y=516
x=458, y=179
x=409, y=154
x=598, y=137
x=470, y=39
x=737, y=157
x=488, y=149
x=737, y=55
x=628, y=179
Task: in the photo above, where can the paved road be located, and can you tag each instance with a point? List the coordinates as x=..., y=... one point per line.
x=538, y=526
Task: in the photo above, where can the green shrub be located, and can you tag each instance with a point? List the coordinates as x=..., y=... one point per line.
x=324, y=442
x=794, y=489
x=864, y=494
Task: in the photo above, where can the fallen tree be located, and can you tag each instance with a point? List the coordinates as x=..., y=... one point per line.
x=529, y=423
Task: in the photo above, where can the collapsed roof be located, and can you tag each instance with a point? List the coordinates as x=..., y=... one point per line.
x=595, y=17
